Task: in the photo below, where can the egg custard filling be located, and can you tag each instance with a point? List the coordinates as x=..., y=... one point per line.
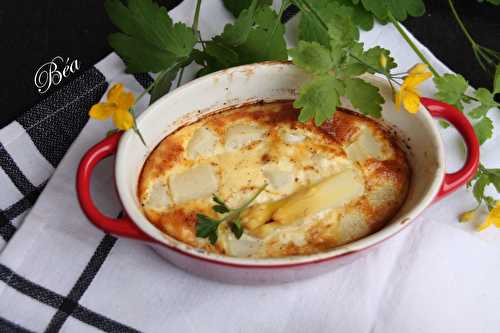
x=321, y=187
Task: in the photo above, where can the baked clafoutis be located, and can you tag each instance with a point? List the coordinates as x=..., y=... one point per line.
x=322, y=186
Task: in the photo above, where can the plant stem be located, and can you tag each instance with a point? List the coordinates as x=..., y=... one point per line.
x=387, y=75
x=283, y=6
x=201, y=42
x=491, y=52
x=164, y=72
x=136, y=130
x=412, y=45
x=392, y=87
x=151, y=86
x=237, y=211
x=480, y=52
x=461, y=24
x=306, y=7
x=249, y=201
x=196, y=16
x=194, y=26
x=180, y=77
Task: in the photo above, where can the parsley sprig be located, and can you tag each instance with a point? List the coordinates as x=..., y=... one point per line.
x=207, y=227
x=336, y=58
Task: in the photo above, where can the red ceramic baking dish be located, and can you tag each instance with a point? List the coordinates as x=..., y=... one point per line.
x=267, y=81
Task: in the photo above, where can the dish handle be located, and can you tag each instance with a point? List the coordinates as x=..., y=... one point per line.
x=454, y=180
x=122, y=226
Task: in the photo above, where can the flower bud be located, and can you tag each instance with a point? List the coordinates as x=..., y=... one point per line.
x=383, y=60
x=467, y=216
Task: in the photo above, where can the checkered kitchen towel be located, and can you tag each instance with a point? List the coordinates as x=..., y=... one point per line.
x=59, y=273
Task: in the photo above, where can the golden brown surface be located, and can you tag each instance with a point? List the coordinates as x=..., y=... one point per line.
x=350, y=172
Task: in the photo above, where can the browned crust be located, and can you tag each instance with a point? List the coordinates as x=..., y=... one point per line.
x=164, y=156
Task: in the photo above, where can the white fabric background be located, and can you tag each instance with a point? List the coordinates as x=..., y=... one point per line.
x=436, y=276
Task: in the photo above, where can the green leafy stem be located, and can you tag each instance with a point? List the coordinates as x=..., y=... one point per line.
x=207, y=227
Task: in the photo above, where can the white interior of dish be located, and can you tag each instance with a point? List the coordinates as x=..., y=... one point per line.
x=269, y=82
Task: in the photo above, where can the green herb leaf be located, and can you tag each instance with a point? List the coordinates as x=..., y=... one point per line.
x=132, y=50
x=342, y=32
x=225, y=56
x=163, y=85
x=496, y=80
x=494, y=175
x=312, y=56
x=237, y=33
x=244, y=43
x=207, y=227
x=149, y=41
x=218, y=200
x=494, y=2
x=352, y=69
x=360, y=16
x=237, y=6
x=209, y=63
x=372, y=58
x=400, y=9
x=487, y=102
x=236, y=228
x=450, y=89
x=319, y=15
x=349, y=61
x=220, y=209
x=266, y=40
x=483, y=129
x=212, y=237
x=490, y=202
x=310, y=28
x=319, y=99
x=479, y=187
x=145, y=20
x=483, y=178
x=364, y=97
x=360, y=61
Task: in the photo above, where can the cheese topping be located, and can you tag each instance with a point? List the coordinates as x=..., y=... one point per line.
x=196, y=183
x=159, y=198
x=325, y=186
x=202, y=143
x=241, y=135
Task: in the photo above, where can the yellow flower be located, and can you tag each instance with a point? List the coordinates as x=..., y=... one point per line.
x=492, y=218
x=117, y=105
x=408, y=94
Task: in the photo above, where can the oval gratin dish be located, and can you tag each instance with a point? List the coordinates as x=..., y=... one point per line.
x=267, y=81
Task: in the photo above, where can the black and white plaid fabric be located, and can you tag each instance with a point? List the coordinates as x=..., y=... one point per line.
x=58, y=273
x=32, y=146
